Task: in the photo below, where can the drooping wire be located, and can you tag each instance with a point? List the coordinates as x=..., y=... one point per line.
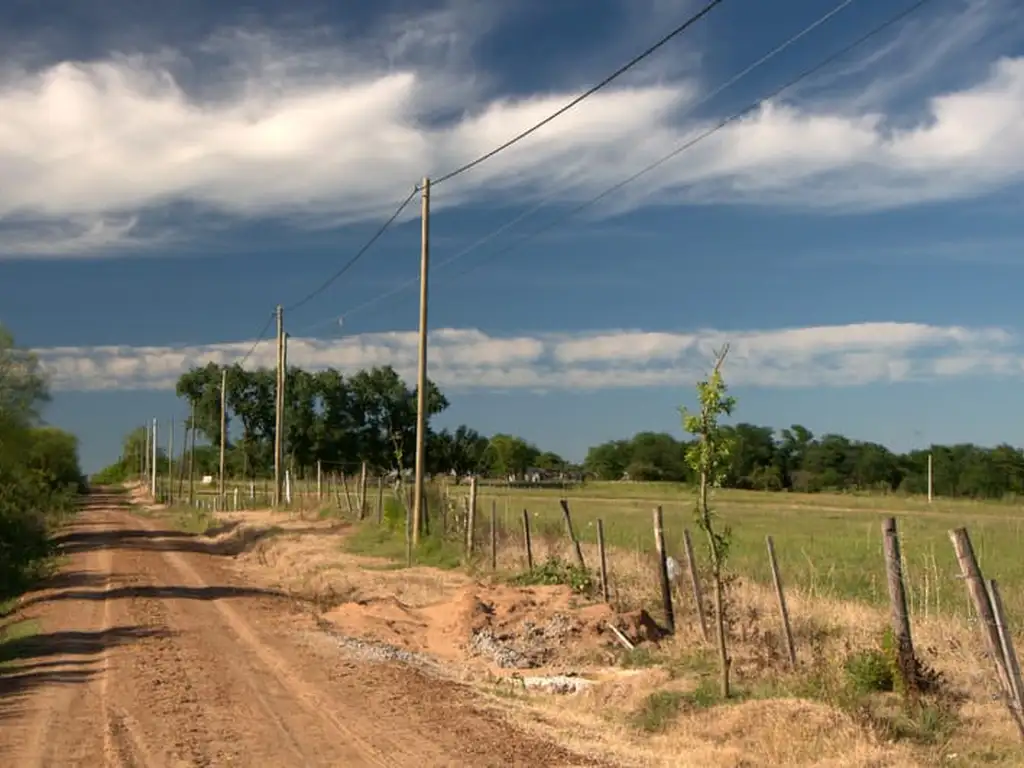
x=727, y=84
x=586, y=94
x=358, y=255
x=878, y=29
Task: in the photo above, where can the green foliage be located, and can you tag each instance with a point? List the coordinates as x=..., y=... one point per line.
x=658, y=711
x=554, y=571
x=39, y=472
x=869, y=671
x=709, y=454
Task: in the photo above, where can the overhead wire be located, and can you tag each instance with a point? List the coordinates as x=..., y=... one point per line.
x=803, y=75
x=358, y=255
x=533, y=209
x=678, y=30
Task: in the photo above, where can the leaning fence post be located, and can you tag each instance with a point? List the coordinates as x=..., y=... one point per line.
x=781, y=596
x=666, y=587
x=698, y=597
x=898, y=604
x=529, y=544
x=604, y=562
x=572, y=534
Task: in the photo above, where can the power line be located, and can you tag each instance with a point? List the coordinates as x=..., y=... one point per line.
x=359, y=254
x=260, y=337
x=713, y=129
x=530, y=211
x=620, y=71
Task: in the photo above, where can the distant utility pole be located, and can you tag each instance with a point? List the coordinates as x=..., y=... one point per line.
x=930, y=476
x=223, y=427
x=279, y=406
x=152, y=489
x=192, y=456
x=170, y=461
x=421, y=378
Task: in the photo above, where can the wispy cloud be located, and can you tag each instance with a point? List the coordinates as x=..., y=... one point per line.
x=283, y=126
x=837, y=355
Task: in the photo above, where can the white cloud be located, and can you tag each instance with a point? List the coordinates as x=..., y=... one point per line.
x=290, y=128
x=460, y=359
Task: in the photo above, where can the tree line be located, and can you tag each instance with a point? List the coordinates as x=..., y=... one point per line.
x=342, y=421
x=39, y=469
x=337, y=420
x=761, y=458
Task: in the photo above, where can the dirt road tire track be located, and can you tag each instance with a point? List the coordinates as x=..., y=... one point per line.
x=182, y=664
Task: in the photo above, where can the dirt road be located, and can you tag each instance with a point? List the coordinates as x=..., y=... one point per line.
x=148, y=651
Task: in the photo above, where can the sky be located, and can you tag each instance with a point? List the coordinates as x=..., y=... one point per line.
x=171, y=172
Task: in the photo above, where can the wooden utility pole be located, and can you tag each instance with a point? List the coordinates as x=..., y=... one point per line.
x=223, y=427
x=421, y=378
x=145, y=456
x=279, y=406
x=192, y=457
x=153, y=464
x=170, y=461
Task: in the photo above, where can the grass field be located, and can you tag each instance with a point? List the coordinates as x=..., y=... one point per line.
x=828, y=545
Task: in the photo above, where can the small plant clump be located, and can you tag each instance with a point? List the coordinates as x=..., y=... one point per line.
x=555, y=571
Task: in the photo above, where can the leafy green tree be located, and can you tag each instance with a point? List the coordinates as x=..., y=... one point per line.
x=508, y=455
x=709, y=458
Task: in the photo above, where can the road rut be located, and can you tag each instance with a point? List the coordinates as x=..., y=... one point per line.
x=148, y=651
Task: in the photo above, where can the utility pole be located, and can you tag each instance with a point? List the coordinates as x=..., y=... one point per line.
x=192, y=458
x=152, y=488
x=223, y=427
x=170, y=461
x=421, y=378
x=930, y=476
x=279, y=406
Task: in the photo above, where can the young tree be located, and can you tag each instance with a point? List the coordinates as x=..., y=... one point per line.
x=708, y=457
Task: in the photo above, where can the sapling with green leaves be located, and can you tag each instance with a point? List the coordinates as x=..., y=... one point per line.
x=708, y=457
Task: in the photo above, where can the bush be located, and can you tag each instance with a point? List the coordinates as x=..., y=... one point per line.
x=555, y=571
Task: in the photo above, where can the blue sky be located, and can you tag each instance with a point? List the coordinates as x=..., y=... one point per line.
x=169, y=177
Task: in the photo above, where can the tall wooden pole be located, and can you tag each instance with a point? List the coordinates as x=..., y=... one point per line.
x=421, y=378
x=192, y=457
x=223, y=427
x=278, y=406
x=170, y=461
x=153, y=463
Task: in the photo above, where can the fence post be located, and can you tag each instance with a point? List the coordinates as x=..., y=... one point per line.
x=781, y=596
x=604, y=561
x=898, y=604
x=666, y=587
x=471, y=519
x=529, y=544
x=698, y=596
x=494, y=534
x=572, y=534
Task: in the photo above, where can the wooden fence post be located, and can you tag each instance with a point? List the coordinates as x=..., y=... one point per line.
x=982, y=604
x=572, y=534
x=319, y=481
x=362, y=491
x=781, y=596
x=471, y=519
x=905, y=657
x=698, y=596
x=666, y=587
x=1006, y=642
x=380, y=499
x=529, y=544
x=494, y=534
x=604, y=561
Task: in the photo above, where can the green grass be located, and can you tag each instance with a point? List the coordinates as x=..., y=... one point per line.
x=827, y=544
x=17, y=630
x=383, y=541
